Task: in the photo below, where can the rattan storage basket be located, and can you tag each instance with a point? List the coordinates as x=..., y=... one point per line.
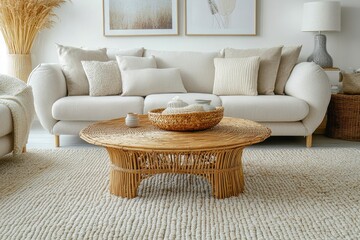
x=186, y=121
x=343, y=119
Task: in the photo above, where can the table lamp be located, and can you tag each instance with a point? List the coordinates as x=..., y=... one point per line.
x=320, y=17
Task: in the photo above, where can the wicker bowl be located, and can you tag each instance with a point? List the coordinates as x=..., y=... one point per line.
x=185, y=121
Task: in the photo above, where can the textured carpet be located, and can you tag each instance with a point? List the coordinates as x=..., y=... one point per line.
x=289, y=194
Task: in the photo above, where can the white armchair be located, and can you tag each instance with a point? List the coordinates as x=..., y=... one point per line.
x=16, y=114
x=6, y=130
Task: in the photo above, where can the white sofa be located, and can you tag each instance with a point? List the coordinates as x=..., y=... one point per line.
x=297, y=113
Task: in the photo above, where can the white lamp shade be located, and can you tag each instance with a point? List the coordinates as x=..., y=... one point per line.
x=321, y=16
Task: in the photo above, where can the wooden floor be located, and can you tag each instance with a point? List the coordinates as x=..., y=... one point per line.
x=40, y=138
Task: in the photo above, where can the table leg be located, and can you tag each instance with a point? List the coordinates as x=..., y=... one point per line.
x=124, y=179
x=228, y=178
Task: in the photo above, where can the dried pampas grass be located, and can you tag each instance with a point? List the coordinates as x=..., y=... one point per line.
x=21, y=20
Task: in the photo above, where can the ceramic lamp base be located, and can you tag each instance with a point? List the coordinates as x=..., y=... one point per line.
x=320, y=55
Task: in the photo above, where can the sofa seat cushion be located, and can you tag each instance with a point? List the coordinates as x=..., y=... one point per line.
x=6, y=122
x=86, y=108
x=265, y=108
x=160, y=100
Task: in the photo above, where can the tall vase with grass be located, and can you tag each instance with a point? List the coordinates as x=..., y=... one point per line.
x=20, y=22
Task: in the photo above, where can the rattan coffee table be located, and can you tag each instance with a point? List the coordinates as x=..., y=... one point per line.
x=138, y=153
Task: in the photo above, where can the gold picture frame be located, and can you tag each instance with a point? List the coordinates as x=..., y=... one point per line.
x=220, y=18
x=141, y=18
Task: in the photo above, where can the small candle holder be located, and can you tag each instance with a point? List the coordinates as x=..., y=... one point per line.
x=132, y=120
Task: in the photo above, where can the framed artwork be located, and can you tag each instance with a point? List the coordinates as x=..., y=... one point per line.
x=140, y=17
x=220, y=17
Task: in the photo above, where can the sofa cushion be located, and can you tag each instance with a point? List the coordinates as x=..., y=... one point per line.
x=269, y=64
x=104, y=77
x=289, y=57
x=160, y=100
x=133, y=63
x=143, y=82
x=6, y=122
x=70, y=60
x=236, y=76
x=86, y=108
x=196, y=68
x=113, y=52
x=275, y=108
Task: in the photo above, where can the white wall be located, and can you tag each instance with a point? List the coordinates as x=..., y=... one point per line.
x=278, y=23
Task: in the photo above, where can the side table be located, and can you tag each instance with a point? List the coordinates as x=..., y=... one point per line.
x=343, y=117
x=334, y=77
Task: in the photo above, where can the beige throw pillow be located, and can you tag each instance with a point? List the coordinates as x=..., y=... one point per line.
x=236, y=76
x=289, y=57
x=351, y=83
x=143, y=82
x=70, y=60
x=133, y=63
x=269, y=65
x=104, y=77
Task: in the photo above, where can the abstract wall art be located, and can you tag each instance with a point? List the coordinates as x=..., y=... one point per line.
x=220, y=17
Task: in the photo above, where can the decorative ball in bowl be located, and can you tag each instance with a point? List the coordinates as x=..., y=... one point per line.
x=193, y=121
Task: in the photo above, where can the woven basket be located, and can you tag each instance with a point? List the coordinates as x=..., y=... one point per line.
x=343, y=119
x=186, y=121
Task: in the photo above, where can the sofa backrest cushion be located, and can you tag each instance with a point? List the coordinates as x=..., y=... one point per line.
x=70, y=60
x=133, y=63
x=113, y=52
x=269, y=65
x=196, y=68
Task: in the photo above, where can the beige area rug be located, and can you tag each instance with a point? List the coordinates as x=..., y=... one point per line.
x=289, y=194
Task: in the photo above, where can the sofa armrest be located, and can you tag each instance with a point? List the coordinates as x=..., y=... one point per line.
x=309, y=82
x=48, y=83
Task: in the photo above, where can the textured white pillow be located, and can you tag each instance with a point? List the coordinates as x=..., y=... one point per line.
x=143, y=82
x=269, y=65
x=133, y=63
x=70, y=60
x=236, y=76
x=104, y=77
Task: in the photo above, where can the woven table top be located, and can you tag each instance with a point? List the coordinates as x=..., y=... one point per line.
x=230, y=132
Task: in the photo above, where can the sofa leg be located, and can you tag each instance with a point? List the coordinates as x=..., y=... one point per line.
x=309, y=141
x=24, y=149
x=57, y=140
